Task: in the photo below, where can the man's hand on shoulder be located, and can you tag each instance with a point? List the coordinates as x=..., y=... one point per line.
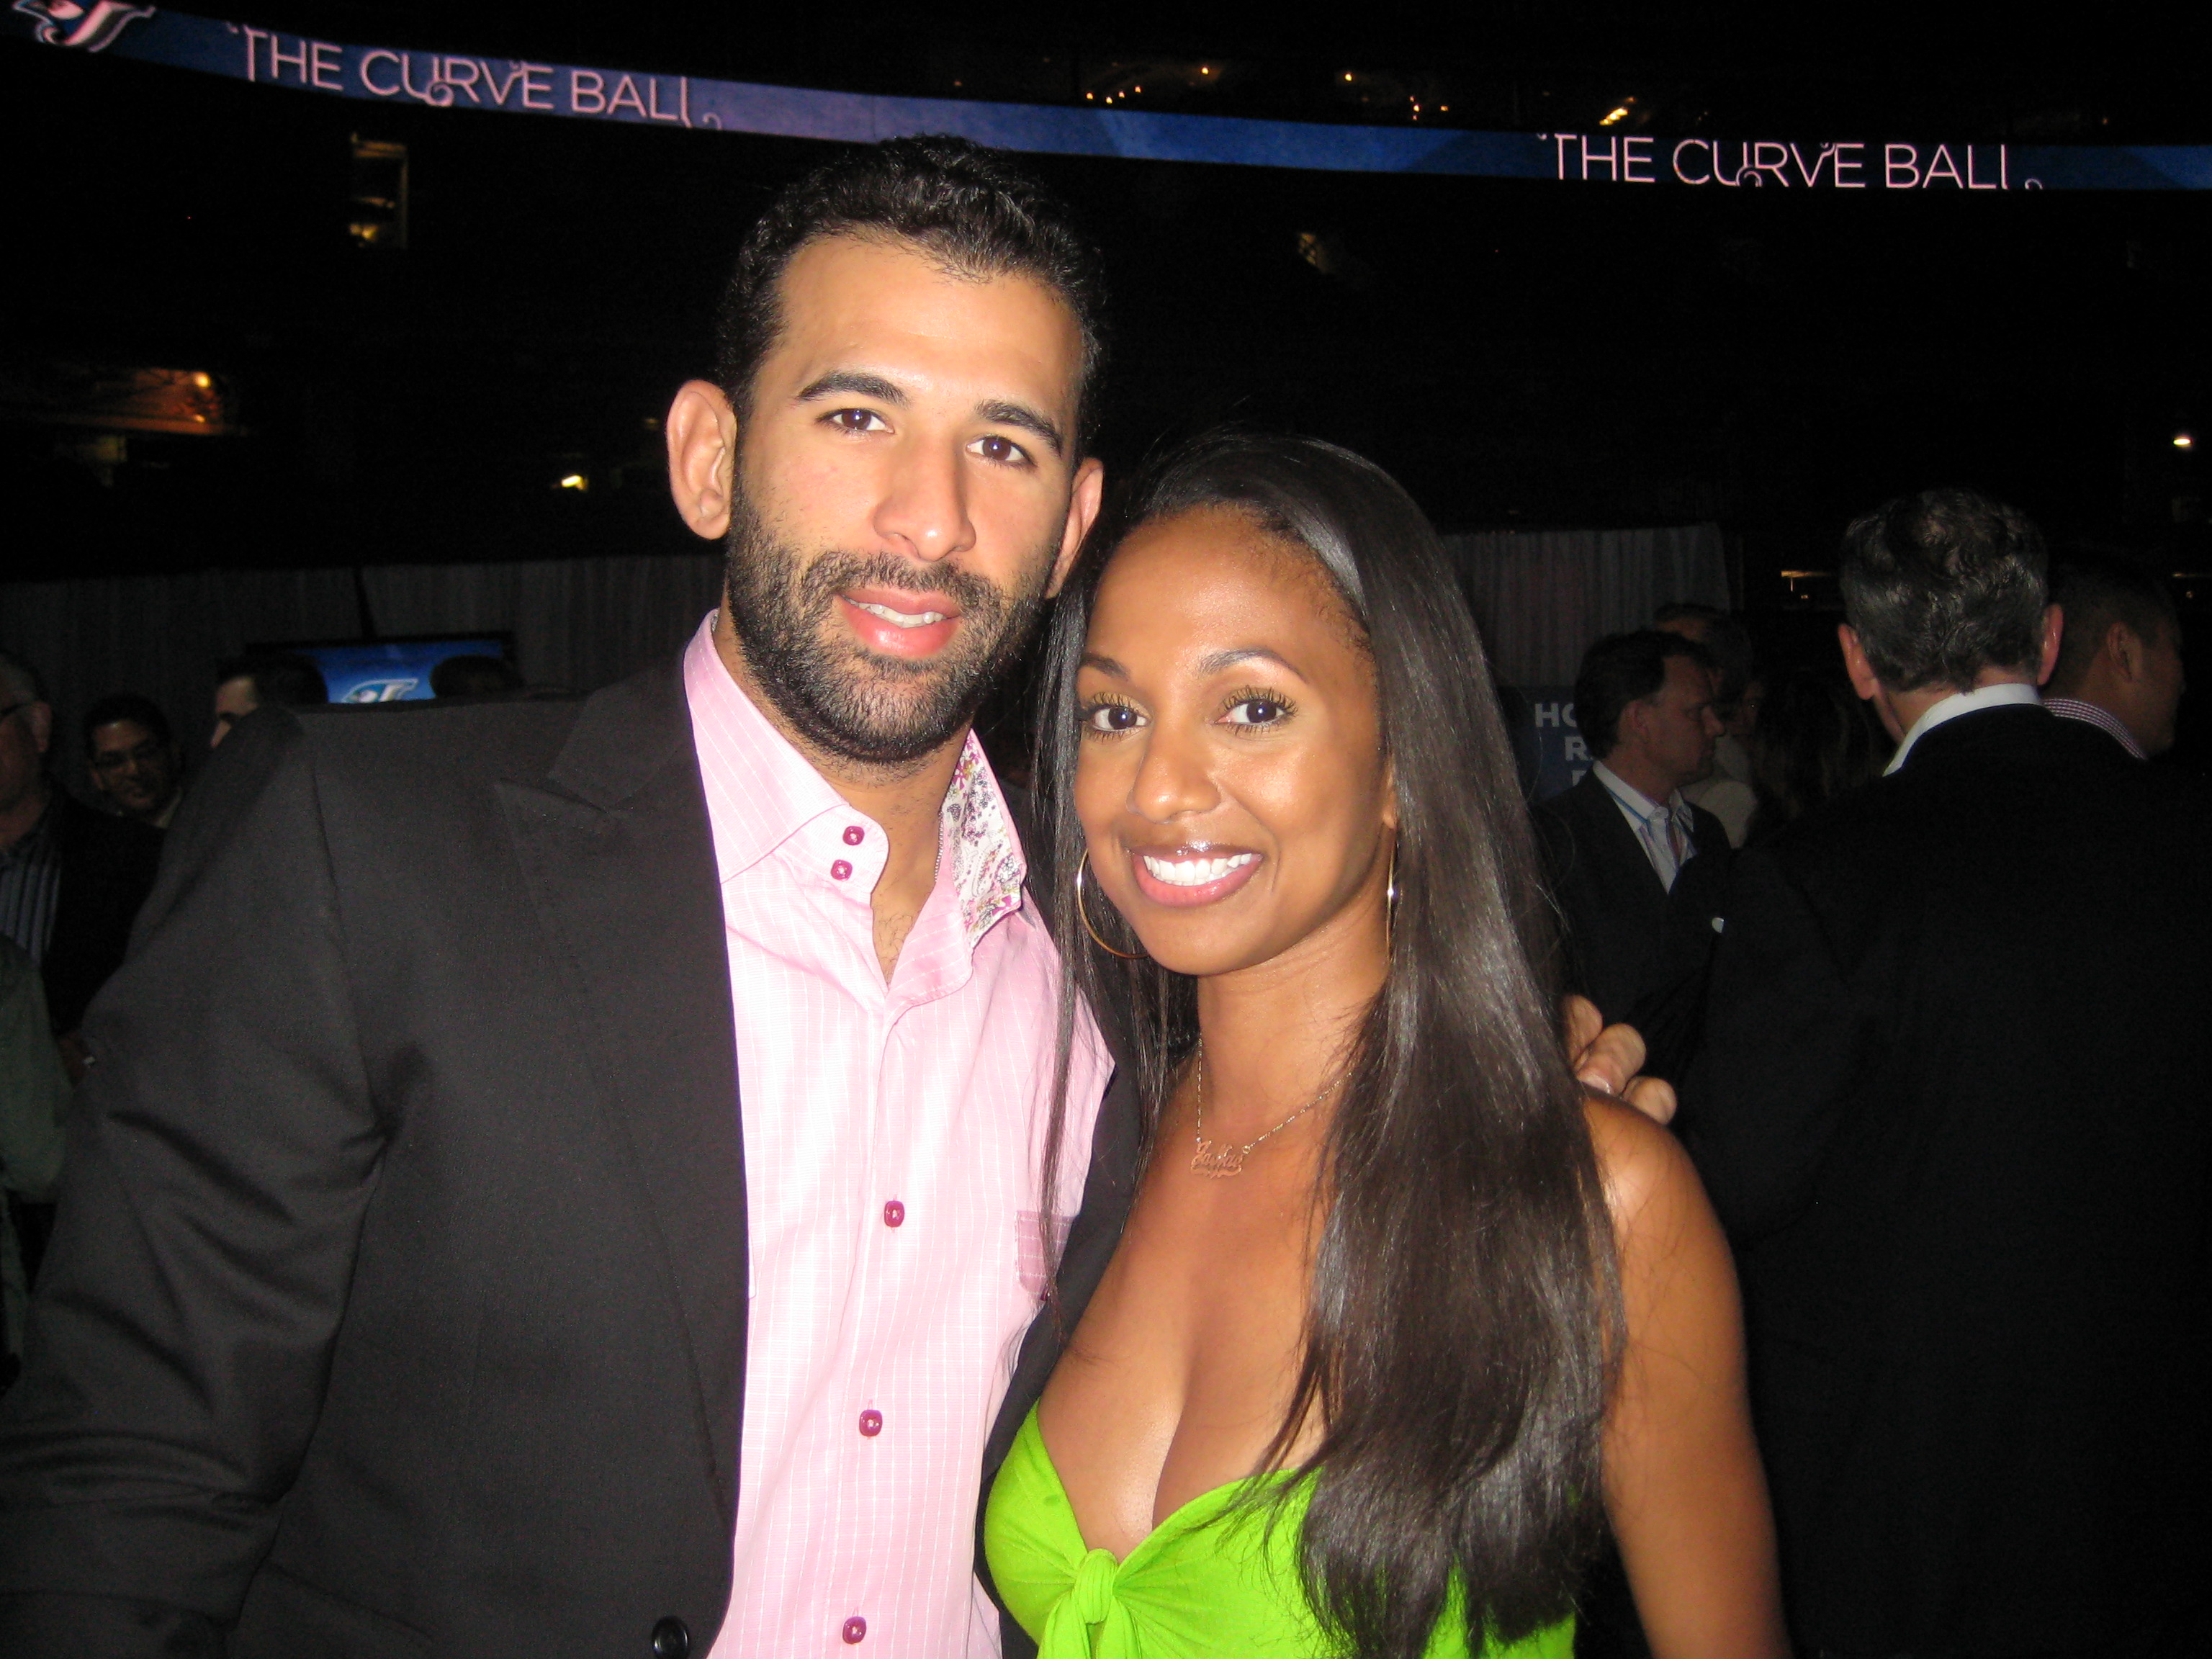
x=1606, y=1059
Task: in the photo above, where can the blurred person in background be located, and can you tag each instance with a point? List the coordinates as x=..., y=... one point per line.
x=34, y=1093
x=1637, y=871
x=133, y=758
x=243, y=684
x=1725, y=791
x=1954, y=1105
x=1813, y=742
x=2119, y=653
x=71, y=878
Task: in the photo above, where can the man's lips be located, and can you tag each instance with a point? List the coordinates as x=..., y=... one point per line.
x=1182, y=876
x=898, y=623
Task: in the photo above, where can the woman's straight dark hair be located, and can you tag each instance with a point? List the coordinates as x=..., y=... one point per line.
x=1465, y=1309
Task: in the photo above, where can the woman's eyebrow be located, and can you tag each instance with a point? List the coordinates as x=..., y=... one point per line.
x=1104, y=665
x=1221, y=659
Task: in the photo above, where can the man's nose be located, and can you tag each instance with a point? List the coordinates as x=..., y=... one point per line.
x=924, y=508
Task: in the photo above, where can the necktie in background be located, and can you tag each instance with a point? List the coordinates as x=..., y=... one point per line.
x=1664, y=841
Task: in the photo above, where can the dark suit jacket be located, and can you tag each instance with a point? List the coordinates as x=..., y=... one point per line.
x=1636, y=949
x=397, y=1304
x=107, y=867
x=1954, y=1103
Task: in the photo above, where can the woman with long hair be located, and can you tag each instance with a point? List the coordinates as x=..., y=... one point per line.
x=1399, y=1316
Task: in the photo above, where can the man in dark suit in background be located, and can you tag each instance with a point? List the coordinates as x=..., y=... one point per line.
x=1953, y=1104
x=2119, y=655
x=1638, y=872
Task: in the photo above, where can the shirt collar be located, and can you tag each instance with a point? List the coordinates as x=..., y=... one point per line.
x=1634, y=798
x=761, y=791
x=2096, y=715
x=1963, y=702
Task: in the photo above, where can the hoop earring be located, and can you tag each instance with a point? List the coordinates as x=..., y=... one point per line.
x=1390, y=903
x=1126, y=955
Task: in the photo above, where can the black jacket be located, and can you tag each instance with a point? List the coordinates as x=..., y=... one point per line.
x=107, y=867
x=397, y=1301
x=1954, y=1103
x=1636, y=949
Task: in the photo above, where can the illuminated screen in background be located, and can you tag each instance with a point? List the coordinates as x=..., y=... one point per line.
x=392, y=670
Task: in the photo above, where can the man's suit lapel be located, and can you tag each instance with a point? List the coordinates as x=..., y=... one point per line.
x=1626, y=868
x=616, y=845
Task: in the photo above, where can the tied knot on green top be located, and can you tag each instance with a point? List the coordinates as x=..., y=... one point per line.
x=1091, y=1597
x=1089, y=1622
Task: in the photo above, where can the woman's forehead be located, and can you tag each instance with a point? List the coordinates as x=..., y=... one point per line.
x=1216, y=568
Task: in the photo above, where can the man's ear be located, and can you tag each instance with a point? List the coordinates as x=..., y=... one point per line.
x=1855, y=662
x=2054, y=630
x=1083, y=501
x=702, y=455
x=2126, y=651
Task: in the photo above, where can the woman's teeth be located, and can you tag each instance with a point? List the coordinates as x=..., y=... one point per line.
x=900, y=618
x=1194, y=872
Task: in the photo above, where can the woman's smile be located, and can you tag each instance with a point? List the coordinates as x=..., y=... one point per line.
x=1187, y=875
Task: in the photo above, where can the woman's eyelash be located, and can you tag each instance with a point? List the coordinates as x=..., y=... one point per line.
x=1282, y=706
x=1087, y=714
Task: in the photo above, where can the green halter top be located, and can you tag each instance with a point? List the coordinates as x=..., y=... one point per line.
x=1188, y=1591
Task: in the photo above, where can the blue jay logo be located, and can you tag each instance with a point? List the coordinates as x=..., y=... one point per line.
x=88, y=28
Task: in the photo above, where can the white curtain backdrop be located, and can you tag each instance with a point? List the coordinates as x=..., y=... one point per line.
x=1541, y=597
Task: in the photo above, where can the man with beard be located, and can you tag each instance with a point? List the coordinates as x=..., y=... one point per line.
x=560, y=1176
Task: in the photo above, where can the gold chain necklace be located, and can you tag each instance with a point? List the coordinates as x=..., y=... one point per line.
x=1222, y=1161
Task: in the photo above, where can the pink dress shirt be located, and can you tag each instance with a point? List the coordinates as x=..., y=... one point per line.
x=894, y=1149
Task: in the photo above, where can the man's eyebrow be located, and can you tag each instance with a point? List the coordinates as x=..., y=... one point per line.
x=1104, y=665
x=851, y=383
x=1229, y=658
x=1027, y=419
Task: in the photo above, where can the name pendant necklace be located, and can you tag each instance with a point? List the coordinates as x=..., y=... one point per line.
x=1220, y=1161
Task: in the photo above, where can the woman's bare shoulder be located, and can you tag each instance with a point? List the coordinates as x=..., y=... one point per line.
x=1651, y=1186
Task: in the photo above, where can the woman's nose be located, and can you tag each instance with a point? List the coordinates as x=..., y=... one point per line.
x=1172, y=778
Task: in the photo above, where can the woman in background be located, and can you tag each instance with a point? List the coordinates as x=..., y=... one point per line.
x=1814, y=741
x=1397, y=1308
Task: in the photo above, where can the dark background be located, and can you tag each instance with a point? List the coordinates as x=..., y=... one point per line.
x=1520, y=353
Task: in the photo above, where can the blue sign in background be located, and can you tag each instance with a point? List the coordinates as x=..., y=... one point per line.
x=1547, y=739
x=389, y=670
x=518, y=86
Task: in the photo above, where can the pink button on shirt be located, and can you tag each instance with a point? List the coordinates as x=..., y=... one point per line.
x=893, y=1138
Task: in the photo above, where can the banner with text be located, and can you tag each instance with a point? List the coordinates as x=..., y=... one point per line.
x=518, y=85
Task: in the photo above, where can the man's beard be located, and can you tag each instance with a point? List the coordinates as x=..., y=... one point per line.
x=851, y=703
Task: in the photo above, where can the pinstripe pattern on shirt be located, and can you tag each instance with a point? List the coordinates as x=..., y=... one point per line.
x=893, y=1155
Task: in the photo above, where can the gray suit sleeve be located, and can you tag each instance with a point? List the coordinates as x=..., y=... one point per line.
x=218, y=1165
